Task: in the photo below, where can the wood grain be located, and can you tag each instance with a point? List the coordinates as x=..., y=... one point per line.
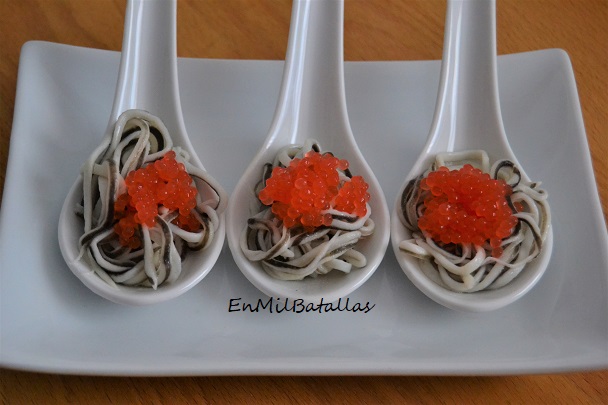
x=374, y=30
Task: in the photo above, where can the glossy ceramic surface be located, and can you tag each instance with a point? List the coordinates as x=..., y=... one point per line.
x=468, y=117
x=147, y=80
x=49, y=321
x=311, y=105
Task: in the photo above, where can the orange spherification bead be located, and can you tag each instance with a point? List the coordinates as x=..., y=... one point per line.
x=301, y=193
x=188, y=222
x=163, y=183
x=466, y=206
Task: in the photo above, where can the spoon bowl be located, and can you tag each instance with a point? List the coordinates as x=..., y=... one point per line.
x=467, y=117
x=311, y=106
x=147, y=81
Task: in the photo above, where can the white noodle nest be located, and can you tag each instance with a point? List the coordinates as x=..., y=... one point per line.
x=140, y=138
x=293, y=254
x=468, y=268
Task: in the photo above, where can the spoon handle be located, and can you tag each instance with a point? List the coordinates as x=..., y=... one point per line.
x=147, y=77
x=313, y=79
x=468, y=88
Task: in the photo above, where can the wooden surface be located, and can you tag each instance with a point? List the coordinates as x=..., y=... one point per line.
x=374, y=30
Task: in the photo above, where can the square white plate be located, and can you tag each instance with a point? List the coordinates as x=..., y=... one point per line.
x=51, y=322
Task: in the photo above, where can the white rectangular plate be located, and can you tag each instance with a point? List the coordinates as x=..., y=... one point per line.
x=51, y=322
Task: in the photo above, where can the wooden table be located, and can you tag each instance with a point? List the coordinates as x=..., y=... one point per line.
x=374, y=30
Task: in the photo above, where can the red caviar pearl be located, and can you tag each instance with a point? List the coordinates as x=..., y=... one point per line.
x=466, y=206
x=301, y=192
x=164, y=182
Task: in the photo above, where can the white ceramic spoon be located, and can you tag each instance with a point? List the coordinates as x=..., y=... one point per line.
x=147, y=81
x=311, y=105
x=467, y=117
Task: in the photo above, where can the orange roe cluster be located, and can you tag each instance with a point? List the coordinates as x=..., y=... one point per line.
x=162, y=183
x=466, y=206
x=301, y=192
